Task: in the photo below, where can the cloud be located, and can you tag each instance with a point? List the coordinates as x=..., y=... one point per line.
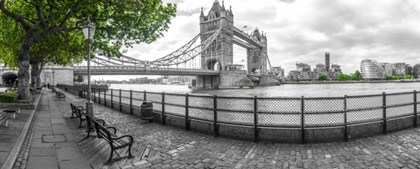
x=302, y=31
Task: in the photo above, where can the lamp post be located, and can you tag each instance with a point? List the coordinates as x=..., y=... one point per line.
x=89, y=31
x=53, y=78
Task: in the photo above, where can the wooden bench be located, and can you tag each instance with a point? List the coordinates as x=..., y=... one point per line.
x=60, y=96
x=91, y=123
x=4, y=118
x=12, y=109
x=114, y=141
x=73, y=110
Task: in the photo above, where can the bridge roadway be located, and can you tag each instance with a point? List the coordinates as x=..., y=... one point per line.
x=131, y=70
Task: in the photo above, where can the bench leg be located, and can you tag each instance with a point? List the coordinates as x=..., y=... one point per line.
x=14, y=115
x=110, y=157
x=18, y=111
x=7, y=123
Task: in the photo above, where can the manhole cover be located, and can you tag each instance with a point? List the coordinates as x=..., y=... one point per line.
x=53, y=138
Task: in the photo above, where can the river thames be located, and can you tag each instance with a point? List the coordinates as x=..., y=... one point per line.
x=286, y=90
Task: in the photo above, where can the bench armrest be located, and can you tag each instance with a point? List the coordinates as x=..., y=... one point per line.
x=102, y=122
x=80, y=107
x=113, y=128
x=124, y=136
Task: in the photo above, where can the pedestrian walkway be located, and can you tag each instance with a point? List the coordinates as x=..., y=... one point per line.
x=52, y=143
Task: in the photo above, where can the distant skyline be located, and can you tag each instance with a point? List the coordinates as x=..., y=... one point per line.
x=302, y=31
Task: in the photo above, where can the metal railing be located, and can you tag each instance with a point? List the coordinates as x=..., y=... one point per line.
x=274, y=112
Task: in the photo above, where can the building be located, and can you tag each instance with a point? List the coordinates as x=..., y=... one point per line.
x=327, y=61
x=399, y=68
x=371, y=70
x=303, y=67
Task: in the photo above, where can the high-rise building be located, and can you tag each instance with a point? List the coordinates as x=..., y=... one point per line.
x=327, y=61
x=371, y=69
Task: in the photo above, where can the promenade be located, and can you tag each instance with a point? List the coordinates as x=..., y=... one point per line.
x=172, y=147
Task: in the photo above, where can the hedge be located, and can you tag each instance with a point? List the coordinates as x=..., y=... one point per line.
x=8, y=97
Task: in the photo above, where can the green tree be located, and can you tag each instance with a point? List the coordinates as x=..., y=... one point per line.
x=118, y=24
x=356, y=75
x=407, y=77
x=341, y=77
x=296, y=79
x=322, y=77
x=80, y=78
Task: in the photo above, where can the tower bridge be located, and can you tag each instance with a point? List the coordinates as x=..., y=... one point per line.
x=208, y=56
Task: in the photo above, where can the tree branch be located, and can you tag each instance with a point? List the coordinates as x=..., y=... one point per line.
x=39, y=13
x=50, y=9
x=70, y=13
x=18, y=18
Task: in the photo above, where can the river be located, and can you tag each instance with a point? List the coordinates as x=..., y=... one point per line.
x=286, y=90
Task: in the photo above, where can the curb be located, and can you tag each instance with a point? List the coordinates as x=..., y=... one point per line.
x=11, y=159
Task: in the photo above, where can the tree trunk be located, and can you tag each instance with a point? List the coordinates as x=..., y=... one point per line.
x=35, y=73
x=38, y=77
x=23, y=74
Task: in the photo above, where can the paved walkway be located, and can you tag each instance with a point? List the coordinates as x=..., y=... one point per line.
x=53, y=145
x=51, y=142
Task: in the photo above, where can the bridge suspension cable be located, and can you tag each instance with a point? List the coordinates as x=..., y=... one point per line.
x=186, y=53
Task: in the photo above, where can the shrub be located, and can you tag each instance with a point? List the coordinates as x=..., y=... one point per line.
x=8, y=97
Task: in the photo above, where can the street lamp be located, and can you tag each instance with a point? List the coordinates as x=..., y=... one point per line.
x=89, y=31
x=53, y=78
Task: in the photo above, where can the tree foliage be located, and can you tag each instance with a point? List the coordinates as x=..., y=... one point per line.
x=345, y=77
x=33, y=23
x=80, y=78
x=322, y=77
x=394, y=77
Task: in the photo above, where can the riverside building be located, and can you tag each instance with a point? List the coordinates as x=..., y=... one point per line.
x=374, y=70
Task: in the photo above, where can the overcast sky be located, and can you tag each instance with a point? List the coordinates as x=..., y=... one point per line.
x=303, y=30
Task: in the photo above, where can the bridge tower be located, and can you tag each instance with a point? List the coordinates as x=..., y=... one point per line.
x=220, y=54
x=257, y=57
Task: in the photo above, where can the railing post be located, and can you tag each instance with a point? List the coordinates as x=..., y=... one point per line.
x=120, y=107
x=99, y=95
x=94, y=94
x=216, y=132
x=302, y=108
x=105, y=97
x=112, y=98
x=144, y=95
x=384, y=112
x=415, y=108
x=187, y=126
x=346, y=134
x=131, y=102
x=255, y=119
x=162, y=115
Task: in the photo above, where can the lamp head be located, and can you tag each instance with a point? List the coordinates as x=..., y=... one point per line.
x=88, y=30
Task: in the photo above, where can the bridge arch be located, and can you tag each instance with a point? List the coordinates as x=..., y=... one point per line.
x=9, y=78
x=213, y=64
x=256, y=71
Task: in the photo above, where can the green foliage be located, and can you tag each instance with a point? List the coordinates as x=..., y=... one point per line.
x=296, y=79
x=356, y=75
x=322, y=77
x=394, y=77
x=8, y=97
x=51, y=31
x=408, y=77
x=80, y=78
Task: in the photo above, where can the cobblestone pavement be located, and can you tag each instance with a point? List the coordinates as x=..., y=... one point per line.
x=177, y=148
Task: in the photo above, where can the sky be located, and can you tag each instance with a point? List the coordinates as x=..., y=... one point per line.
x=303, y=30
